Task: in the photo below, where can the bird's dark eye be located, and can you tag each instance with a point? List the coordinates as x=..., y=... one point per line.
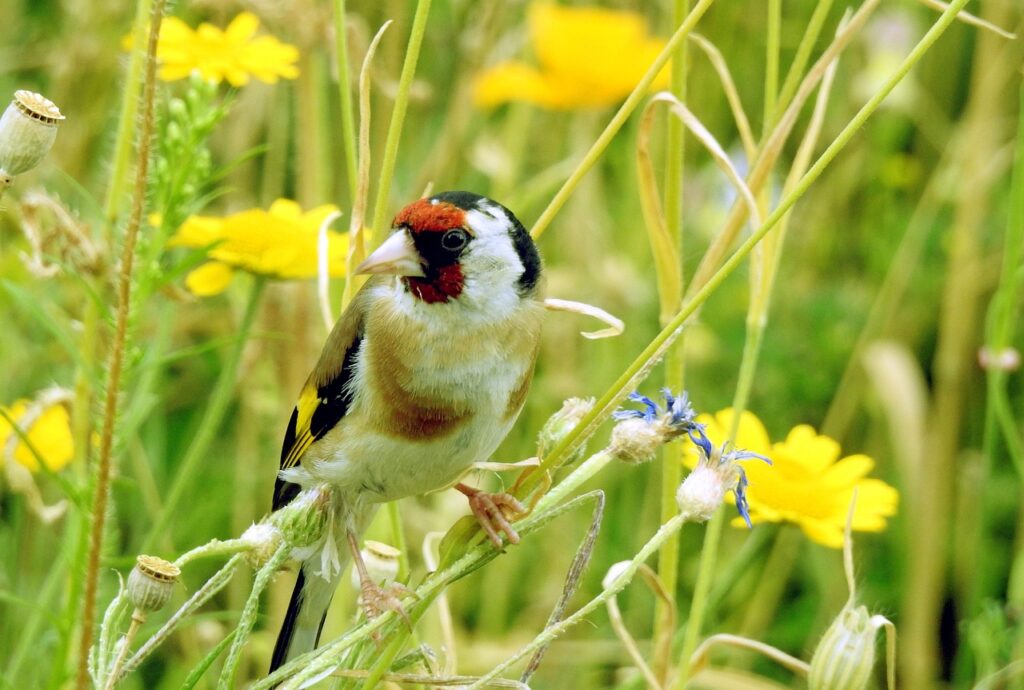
x=454, y=240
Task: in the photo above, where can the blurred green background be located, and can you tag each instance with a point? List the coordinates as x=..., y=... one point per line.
x=930, y=173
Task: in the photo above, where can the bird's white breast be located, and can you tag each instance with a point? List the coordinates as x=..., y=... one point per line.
x=475, y=365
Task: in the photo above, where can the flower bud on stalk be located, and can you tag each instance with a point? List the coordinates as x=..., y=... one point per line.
x=28, y=129
x=845, y=657
x=559, y=424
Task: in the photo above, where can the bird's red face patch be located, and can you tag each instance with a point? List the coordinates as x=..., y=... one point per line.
x=424, y=216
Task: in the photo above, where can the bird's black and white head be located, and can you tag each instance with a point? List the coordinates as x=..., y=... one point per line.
x=459, y=248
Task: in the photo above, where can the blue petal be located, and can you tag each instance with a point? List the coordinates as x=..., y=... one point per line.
x=740, y=492
x=700, y=439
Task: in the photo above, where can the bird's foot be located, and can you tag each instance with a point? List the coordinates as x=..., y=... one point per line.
x=493, y=511
x=376, y=599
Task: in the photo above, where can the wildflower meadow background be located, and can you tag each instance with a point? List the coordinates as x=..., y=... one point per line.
x=809, y=215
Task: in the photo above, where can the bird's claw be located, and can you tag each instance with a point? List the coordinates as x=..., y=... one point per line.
x=377, y=599
x=493, y=511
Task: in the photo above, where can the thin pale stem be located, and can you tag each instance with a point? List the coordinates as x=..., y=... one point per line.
x=138, y=618
x=248, y=618
x=672, y=454
x=101, y=495
x=348, y=131
x=701, y=589
x=412, y=54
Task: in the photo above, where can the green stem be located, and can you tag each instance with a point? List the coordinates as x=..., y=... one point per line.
x=771, y=67
x=701, y=589
x=675, y=364
x=803, y=55
x=104, y=465
x=348, y=128
x=638, y=94
x=126, y=122
x=210, y=425
x=248, y=617
x=398, y=539
x=387, y=171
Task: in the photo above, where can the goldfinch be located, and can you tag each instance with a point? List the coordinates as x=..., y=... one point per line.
x=422, y=376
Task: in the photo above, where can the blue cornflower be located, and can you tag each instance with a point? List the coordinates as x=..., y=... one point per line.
x=717, y=473
x=640, y=431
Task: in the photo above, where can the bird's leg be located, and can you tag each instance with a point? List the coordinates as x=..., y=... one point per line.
x=376, y=599
x=492, y=511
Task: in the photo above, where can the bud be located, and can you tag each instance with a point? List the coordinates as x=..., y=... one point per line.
x=303, y=521
x=700, y=494
x=635, y=440
x=717, y=472
x=151, y=583
x=639, y=433
x=381, y=561
x=28, y=129
x=562, y=422
x=263, y=539
x=845, y=657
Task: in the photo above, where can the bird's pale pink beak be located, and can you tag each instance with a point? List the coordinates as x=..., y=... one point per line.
x=396, y=256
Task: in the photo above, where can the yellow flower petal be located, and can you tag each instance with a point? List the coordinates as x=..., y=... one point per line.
x=234, y=54
x=588, y=56
x=50, y=435
x=807, y=484
x=280, y=243
x=242, y=28
x=212, y=278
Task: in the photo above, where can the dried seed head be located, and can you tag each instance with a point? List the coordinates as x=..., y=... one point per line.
x=151, y=582
x=381, y=562
x=28, y=129
x=845, y=657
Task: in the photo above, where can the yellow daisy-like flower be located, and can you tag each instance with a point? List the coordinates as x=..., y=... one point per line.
x=50, y=435
x=808, y=483
x=280, y=243
x=588, y=57
x=234, y=54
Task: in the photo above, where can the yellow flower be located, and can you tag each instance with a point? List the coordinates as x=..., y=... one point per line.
x=588, y=56
x=807, y=484
x=280, y=243
x=50, y=434
x=233, y=54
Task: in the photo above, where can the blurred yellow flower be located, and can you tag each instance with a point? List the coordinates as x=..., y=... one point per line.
x=807, y=484
x=234, y=54
x=50, y=434
x=280, y=243
x=588, y=56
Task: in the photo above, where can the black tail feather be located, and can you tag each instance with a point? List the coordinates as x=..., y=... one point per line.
x=284, y=638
